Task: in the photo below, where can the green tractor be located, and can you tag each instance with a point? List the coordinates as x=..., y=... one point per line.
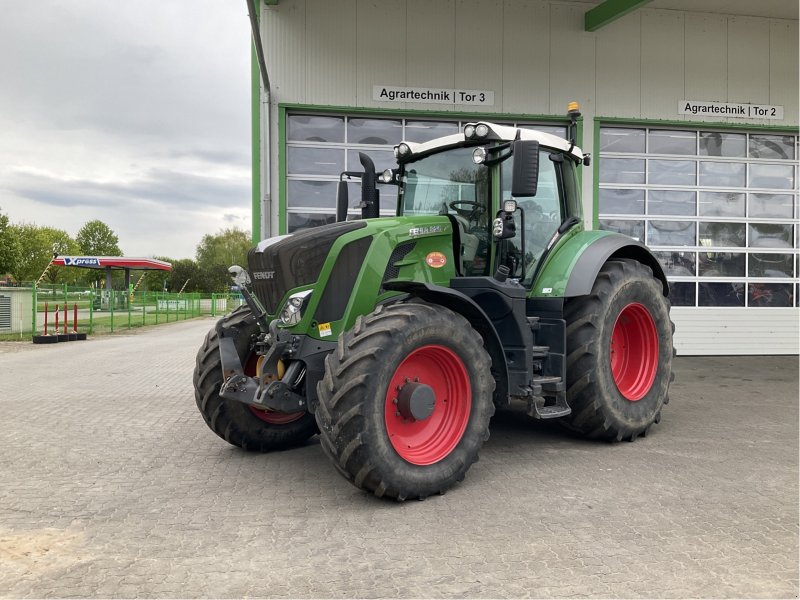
x=396, y=338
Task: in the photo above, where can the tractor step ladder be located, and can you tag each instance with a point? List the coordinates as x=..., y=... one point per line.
x=548, y=398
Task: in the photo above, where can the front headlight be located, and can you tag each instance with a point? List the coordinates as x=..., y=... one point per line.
x=292, y=311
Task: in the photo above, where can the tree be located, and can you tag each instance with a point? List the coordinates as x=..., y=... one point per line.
x=10, y=249
x=96, y=238
x=38, y=244
x=215, y=253
x=184, y=271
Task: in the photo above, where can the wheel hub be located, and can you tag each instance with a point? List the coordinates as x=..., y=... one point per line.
x=416, y=401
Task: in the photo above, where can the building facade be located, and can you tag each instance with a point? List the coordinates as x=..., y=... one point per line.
x=691, y=119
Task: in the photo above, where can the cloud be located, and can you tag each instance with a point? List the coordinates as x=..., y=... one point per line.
x=136, y=113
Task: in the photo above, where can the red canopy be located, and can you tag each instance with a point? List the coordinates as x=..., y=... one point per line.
x=113, y=262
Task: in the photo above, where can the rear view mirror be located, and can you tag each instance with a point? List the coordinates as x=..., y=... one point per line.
x=525, y=177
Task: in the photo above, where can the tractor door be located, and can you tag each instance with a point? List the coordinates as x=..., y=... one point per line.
x=537, y=218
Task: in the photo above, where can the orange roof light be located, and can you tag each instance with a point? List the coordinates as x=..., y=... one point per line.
x=573, y=107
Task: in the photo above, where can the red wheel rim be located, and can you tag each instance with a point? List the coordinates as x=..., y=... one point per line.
x=268, y=416
x=634, y=352
x=428, y=441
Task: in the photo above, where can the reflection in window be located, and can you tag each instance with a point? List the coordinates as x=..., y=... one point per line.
x=771, y=206
x=770, y=235
x=720, y=264
x=671, y=233
x=722, y=174
x=310, y=128
x=779, y=177
x=769, y=294
x=374, y=131
x=621, y=201
x=621, y=170
x=424, y=131
x=682, y=293
x=721, y=204
x=634, y=229
x=677, y=264
x=770, y=265
x=671, y=202
x=730, y=145
x=618, y=139
x=772, y=146
x=671, y=172
x=677, y=141
x=722, y=234
x=312, y=194
x=314, y=161
x=720, y=294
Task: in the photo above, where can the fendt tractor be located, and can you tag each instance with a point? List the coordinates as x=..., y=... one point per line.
x=396, y=338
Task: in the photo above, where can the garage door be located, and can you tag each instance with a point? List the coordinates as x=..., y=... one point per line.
x=719, y=208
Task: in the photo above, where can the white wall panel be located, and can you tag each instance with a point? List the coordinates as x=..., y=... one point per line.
x=783, y=79
x=736, y=331
x=572, y=66
x=662, y=63
x=430, y=47
x=283, y=35
x=331, y=52
x=706, y=59
x=526, y=57
x=618, y=67
x=380, y=47
x=479, y=49
x=748, y=63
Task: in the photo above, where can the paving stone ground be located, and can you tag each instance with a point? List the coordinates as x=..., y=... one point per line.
x=111, y=485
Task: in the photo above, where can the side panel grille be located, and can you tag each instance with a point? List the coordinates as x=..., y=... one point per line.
x=342, y=281
x=398, y=254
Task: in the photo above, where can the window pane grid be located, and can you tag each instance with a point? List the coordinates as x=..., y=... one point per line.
x=725, y=228
x=319, y=147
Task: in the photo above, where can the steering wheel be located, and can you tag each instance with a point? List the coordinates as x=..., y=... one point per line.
x=472, y=213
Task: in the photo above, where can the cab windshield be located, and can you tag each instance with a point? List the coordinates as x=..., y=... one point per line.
x=447, y=182
x=450, y=183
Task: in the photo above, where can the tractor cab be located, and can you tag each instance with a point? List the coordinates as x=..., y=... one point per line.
x=508, y=193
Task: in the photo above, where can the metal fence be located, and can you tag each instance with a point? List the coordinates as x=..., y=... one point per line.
x=29, y=310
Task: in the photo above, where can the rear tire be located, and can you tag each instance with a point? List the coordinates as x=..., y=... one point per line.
x=619, y=353
x=235, y=422
x=399, y=351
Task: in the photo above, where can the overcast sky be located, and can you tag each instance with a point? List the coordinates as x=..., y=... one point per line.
x=136, y=113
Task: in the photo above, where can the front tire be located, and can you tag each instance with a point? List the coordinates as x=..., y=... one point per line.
x=235, y=422
x=406, y=400
x=619, y=354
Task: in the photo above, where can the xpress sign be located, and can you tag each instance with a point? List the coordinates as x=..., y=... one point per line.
x=81, y=261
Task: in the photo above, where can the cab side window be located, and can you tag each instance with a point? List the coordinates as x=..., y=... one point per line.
x=537, y=218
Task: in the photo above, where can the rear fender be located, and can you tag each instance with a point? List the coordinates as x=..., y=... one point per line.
x=572, y=267
x=469, y=309
x=589, y=263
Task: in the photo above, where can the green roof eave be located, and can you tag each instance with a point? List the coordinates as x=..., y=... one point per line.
x=607, y=12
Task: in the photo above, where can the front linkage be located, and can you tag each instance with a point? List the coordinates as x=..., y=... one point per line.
x=273, y=345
